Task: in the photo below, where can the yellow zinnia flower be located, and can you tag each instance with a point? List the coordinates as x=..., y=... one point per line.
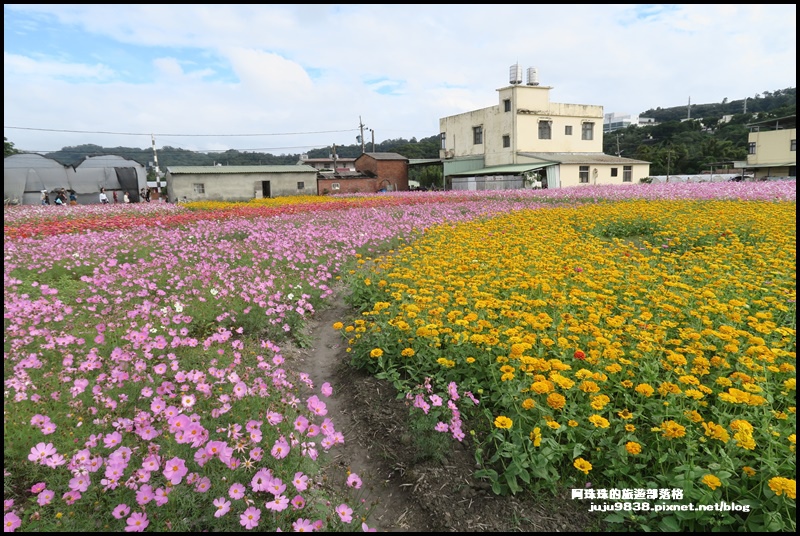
x=338, y=325
x=711, y=481
x=633, y=447
x=376, y=353
x=503, y=422
x=556, y=401
x=782, y=485
x=582, y=465
x=672, y=430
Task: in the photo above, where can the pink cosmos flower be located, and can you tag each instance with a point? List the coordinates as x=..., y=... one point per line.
x=276, y=486
x=36, y=488
x=203, y=485
x=174, y=470
x=112, y=440
x=300, y=482
x=365, y=528
x=345, y=513
x=79, y=483
x=249, y=518
x=301, y=424
x=161, y=496
x=121, y=511
x=326, y=389
x=354, y=481
x=303, y=525
x=11, y=522
x=280, y=449
x=278, y=504
x=236, y=491
x=223, y=506
x=137, y=522
x=298, y=503
x=144, y=495
x=45, y=497
x=41, y=452
x=71, y=497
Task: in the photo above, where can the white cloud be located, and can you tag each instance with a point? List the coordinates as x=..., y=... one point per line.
x=317, y=68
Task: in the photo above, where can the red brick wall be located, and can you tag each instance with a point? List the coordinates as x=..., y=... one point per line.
x=392, y=173
x=347, y=186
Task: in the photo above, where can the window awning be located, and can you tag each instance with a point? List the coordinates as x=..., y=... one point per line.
x=511, y=169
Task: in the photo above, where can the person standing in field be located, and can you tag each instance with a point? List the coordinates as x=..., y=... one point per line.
x=126, y=198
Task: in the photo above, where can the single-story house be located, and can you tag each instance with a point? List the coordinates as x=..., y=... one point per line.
x=239, y=183
x=551, y=170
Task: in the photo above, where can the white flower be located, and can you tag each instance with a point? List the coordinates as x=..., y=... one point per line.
x=290, y=296
x=214, y=292
x=187, y=401
x=178, y=307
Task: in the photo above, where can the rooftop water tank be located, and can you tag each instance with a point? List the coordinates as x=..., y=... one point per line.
x=515, y=74
x=533, y=76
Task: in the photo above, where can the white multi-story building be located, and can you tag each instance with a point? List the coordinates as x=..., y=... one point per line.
x=772, y=148
x=525, y=138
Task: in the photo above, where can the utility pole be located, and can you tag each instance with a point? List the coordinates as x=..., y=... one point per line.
x=373, y=139
x=618, y=151
x=155, y=164
x=361, y=137
x=669, y=160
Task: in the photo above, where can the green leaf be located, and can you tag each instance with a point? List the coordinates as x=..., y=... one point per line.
x=614, y=518
x=669, y=524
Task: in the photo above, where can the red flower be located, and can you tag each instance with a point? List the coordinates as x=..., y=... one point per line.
x=579, y=355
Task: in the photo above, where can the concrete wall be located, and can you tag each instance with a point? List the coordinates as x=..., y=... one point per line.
x=238, y=186
x=569, y=174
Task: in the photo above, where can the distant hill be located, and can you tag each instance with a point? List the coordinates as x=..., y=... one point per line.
x=779, y=103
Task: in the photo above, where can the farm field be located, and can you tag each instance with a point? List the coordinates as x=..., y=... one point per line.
x=620, y=345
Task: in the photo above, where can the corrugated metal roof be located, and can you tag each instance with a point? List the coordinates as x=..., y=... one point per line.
x=419, y=161
x=197, y=170
x=510, y=169
x=384, y=156
x=583, y=158
x=774, y=164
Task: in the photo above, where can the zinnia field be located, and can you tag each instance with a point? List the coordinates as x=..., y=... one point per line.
x=606, y=338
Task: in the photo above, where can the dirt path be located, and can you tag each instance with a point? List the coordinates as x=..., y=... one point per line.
x=407, y=494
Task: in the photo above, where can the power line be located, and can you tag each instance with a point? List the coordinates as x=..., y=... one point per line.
x=181, y=135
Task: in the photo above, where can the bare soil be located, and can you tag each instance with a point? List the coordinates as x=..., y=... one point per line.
x=406, y=493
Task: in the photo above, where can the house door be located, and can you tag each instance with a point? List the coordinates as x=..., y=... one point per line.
x=266, y=191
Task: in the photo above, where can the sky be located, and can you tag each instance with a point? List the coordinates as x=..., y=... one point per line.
x=287, y=78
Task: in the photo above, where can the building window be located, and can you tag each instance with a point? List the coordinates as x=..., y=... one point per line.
x=507, y=105
x=614, y=172
x=335, y=186
x=587, y=131
x=199, y=188
x=583, y=174
x=301, y=185
x=477, y=135
x=627, y=173
x=443, y=137
x=751, y=148
x=568, y=130
x=793, y=145
x=506, y=141
x=545, y=130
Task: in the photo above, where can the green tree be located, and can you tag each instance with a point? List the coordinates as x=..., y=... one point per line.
x=8, y=148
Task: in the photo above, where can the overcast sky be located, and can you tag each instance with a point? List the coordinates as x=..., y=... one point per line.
x=287, y=78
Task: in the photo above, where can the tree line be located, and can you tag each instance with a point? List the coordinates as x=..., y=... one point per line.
x=684, y=140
